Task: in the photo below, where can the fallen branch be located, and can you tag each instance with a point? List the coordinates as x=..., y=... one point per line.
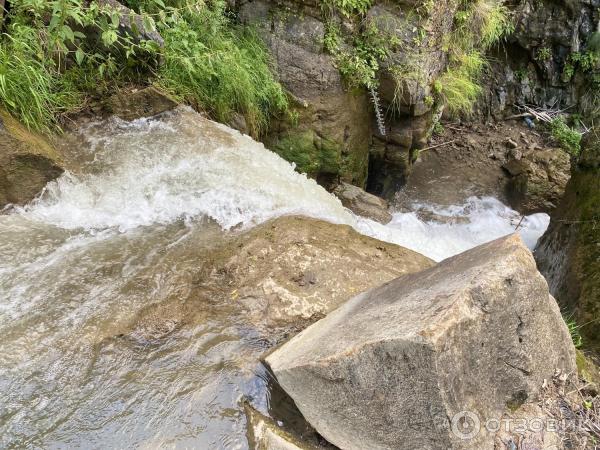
x=518, y=116
x=438, y=145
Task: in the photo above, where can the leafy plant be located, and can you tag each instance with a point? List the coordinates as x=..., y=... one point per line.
x=568, y=138
x=359, y=63
x=574, y=331
x=55, y=53
x=350, y=7
x=544, y=54
x=220, y=68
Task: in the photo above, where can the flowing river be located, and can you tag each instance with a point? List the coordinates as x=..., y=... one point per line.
x=124, y=231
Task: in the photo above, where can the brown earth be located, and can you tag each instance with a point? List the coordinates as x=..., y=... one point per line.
x=507, y=160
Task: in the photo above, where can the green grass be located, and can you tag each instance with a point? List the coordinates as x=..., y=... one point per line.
x=479, y=25
x=29, y=89
x=220, y=69
x=458, y=86
x=48, y=69
x=495, y=22
x=568, y=138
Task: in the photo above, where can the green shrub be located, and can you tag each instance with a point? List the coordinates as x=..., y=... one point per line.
x=350, y=7
x=568, y=138
x=359, y=62
x=49, y=66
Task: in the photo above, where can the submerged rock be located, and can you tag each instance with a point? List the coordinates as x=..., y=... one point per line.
x=264, y=434
x=398, y=366
x=281, y=276
x=27, y=162
x=135, y=104
x=363, y=203
x=569, y=253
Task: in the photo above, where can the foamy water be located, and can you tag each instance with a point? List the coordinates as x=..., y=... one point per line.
x=126, y=231
x=153, y=171
x=454, y=229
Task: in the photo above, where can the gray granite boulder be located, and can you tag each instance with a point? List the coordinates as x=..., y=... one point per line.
x=398, y=366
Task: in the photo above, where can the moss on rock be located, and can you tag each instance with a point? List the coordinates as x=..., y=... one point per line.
x=312, y=154
x=569, y=252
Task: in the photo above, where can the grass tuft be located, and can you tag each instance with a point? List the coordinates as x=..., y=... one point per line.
x=568, y=138
x=29, y=89
x=220, y=69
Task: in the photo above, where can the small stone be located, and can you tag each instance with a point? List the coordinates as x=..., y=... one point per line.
x=515, y=153
x=510, y=143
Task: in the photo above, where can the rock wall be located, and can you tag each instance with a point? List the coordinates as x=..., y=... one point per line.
x=569, y=253
x=336, y=136
x=535, y=65
x=330, y=139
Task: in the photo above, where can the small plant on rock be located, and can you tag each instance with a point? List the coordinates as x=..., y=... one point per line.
x=568, y=138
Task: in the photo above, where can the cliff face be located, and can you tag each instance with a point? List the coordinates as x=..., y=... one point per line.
x=337, y=136
x=569, y=253
x=545, y=62
x=331, y=137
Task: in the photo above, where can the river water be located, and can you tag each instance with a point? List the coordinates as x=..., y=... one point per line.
x=85, y=266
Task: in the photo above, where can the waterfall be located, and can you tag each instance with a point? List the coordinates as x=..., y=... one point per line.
x=127, y=228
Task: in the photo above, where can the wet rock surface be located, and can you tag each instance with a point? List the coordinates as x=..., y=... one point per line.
x=392, y=367
x=131, y=104
x=294, y=270
x=281, y=276
x=265, y=434
x=27, y=162
x=362, y=203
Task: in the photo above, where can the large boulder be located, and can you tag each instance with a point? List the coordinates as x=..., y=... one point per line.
x=569, y=252
x=537, y=179
x=27, y=162
x=281, y=276
x=294, y=269
x=410, y=363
